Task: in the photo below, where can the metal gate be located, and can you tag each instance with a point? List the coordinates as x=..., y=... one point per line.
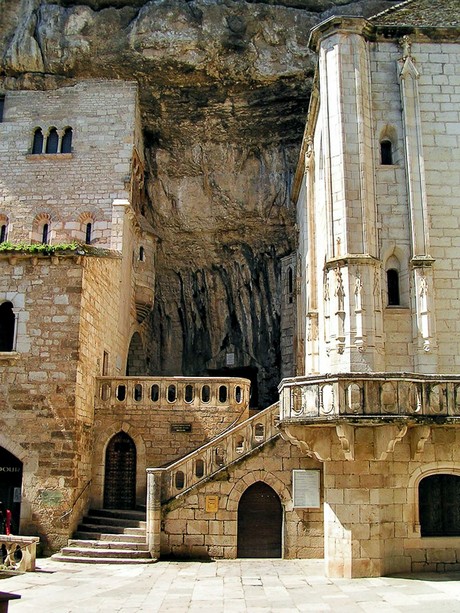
x=120, y=473
x=260, y=520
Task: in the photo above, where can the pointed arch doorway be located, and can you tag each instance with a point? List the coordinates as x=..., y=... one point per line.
x=260, y=520
x=120, y=473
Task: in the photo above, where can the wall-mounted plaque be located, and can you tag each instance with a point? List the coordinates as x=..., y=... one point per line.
x=181, y=427
x=306, y=489
x=212, y=504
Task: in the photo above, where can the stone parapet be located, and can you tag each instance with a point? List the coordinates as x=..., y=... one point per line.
x=361, y=395
x=162, y=392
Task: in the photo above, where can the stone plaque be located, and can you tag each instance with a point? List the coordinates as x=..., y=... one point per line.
x=306, y=488
x=212, y=504
x=230, y=359
x=181, y=427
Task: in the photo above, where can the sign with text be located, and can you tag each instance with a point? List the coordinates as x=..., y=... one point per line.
x=212, y=504
x=181, y=427
x=306, y=489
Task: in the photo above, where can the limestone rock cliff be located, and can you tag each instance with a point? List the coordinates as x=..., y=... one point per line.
x=224, y=91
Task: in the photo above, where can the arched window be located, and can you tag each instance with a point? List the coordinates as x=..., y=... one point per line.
x=37, y=145
x=393, y=287
x=179, y=480
x=89, y=228
x=189, y=393
x=66, y=142
x=386, y=152
x=52, y=141
x=205, y=393
x=3, y=232
x=199, y=468
x=172, y=393
x=223, y=393
x=154, y=392
x=439, y=507
x=7, y=321
x=141, y=254
x=45, y=234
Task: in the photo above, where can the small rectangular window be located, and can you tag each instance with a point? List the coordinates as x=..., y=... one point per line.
x=2, y=107
x=105, y=364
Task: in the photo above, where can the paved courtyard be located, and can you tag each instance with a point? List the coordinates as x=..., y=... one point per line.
x=258, y=586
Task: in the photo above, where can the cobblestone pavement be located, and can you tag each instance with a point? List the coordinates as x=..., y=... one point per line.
x=258, y=586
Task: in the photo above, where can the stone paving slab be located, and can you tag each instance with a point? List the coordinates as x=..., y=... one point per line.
x=233, y=586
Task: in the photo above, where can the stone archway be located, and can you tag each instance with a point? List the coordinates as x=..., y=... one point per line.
x=11, y=485
x=260, y=522
x=120, y=473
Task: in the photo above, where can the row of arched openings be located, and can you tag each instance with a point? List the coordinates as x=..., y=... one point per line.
x=53, y=141
x=42, y=231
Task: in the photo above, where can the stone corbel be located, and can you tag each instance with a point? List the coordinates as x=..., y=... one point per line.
x=346, y=434
x=385, y=439
x=313, y=442
x=418, y=438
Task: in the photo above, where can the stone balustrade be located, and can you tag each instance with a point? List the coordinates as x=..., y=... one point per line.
x=18, y=552
x=170, y=392
x=361, y=395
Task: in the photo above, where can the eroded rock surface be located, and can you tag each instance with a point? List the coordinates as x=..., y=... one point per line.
x=224, y=91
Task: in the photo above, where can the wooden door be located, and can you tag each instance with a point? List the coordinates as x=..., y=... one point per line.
x=260, y=519
x=120, y=473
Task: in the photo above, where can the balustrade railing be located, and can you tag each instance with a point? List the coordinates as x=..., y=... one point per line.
x=222, y=451
x=163, y=392
x=367, y=395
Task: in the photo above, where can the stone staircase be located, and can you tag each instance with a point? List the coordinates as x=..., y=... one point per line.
x=108, y=536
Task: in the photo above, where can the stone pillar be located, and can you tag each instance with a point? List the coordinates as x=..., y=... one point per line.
x=421, y=263
x=154, y=479
x=363, y=508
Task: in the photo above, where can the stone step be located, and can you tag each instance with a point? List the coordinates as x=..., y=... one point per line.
x=87, y=560
x=114, y=521
x=107, y=545
x=110, y=529
x=91, y=552
x=110, y=537
x=118, y=513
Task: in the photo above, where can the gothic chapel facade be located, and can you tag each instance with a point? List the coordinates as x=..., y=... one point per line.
x=359, y=461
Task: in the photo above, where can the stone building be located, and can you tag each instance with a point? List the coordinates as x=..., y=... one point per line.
x=359, y=461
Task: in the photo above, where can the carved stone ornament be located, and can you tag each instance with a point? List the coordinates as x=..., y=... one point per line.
x=406, y=44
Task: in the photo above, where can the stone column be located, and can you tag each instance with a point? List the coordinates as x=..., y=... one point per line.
x=421, y=263
x=154, y=479
x=363, y=500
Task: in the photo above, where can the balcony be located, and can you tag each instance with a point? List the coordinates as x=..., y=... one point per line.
x=172, y=392
x=374, y=397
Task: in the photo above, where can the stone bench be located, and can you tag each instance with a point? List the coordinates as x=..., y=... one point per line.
x=18, y=552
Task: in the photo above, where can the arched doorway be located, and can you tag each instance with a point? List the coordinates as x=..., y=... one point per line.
x=260, y=520
x=120, y=473
x=10, y=486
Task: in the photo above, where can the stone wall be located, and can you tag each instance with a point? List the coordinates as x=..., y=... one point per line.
x=67, y=190
x=162, y=430
x=39, y=423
